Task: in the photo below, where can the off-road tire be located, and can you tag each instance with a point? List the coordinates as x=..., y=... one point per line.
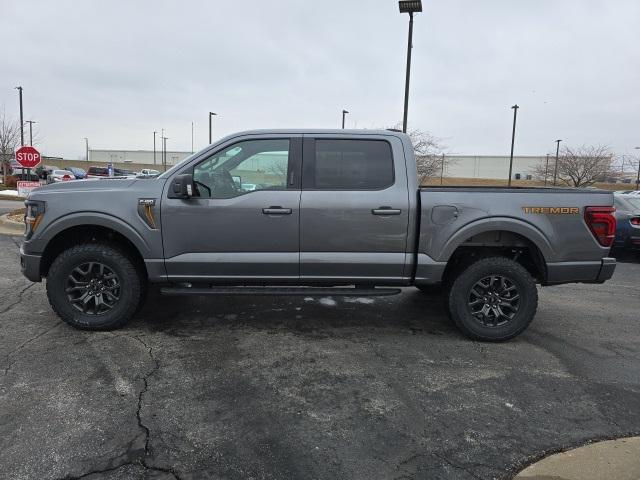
x=458, y=299
x=131, y=293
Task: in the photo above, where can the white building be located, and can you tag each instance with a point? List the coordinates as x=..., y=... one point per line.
x=456, y=166
x=141, y=157
x=494, y=166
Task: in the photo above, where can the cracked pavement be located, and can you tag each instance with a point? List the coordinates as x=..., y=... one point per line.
x=294, y=388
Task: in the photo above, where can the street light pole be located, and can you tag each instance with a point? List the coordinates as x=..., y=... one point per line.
x=344, y=112
x=21, y=119
x=410, y=7
x=191, y=137
x=638, y=176
x=513, y=139
x=86, y=146
x=30, y=122
x=555, y=170
x=211, y=114
x=154, y=147
x=546, y=171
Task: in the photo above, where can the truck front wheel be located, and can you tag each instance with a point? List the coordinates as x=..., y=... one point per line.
x=493, y=299
x=94, y=286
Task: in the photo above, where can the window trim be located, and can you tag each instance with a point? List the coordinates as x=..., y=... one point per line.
x=309, y=162
x=294, y=165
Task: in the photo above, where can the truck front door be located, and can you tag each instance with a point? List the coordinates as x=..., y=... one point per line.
x=354, y=209
x=242, y=224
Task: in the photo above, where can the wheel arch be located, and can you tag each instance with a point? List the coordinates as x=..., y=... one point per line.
x=79, y=228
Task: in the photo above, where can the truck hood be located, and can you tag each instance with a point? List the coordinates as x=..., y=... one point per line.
x=75, y=186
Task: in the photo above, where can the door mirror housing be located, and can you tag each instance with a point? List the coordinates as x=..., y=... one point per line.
x=181, y=186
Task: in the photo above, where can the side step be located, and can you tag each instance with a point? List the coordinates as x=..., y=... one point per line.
x=306, y=291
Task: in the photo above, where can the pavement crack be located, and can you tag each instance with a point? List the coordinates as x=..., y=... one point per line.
x=24, y=344
x=18, y=300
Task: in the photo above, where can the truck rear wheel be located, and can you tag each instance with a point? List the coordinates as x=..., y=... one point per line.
x=94, y=286
x=493, y=299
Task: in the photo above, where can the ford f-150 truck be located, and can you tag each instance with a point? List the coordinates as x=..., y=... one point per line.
x=311, y=212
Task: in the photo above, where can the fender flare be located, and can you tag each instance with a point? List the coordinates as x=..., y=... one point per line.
x=87, y=218
x=505, y=224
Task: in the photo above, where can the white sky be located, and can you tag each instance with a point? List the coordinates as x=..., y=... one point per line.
x=115, y=71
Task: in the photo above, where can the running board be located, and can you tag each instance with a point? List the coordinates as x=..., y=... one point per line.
x=306, y=291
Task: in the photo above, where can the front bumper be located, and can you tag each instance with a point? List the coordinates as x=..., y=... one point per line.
x=30, y=265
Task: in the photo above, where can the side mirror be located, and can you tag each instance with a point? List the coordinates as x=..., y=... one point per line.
x=181, y=186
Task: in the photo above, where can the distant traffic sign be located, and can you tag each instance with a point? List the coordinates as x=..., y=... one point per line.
x=28, y=157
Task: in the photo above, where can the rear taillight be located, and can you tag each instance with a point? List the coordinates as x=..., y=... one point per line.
x=602, y=223
x=635, y=221
x=66, y=177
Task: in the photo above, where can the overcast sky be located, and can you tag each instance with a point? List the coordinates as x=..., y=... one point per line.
x=116, y=71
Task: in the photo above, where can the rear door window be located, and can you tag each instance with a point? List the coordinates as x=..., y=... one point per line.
x=337, y=164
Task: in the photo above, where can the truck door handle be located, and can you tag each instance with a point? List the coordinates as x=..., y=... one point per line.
x=386, y=211
x=276, y=211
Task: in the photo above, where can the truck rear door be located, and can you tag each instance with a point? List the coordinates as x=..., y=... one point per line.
x=354, y=209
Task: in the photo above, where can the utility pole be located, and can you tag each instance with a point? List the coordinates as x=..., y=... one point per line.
x=211, y=114
x=30, y=122
x=442, y=169
x=191, y=137
x=344, y=112
x=513, y=139
x=21, y=119
x=546, y=170
x=555, y=170
x=86, y=145
x=154, y=147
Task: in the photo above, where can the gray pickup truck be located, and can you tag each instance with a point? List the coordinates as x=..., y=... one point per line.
x=311, y=212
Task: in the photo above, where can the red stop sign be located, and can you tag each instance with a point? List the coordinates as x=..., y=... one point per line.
x=28, y=157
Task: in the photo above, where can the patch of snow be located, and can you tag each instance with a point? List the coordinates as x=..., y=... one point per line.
x=328, y=302
x=9, y=193
x=308, y=299
x=362, y=300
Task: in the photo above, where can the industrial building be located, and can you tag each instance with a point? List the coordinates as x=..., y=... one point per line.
x=138, y=157
x=457, y=166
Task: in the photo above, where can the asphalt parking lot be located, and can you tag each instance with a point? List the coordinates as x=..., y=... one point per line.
x=297, y=388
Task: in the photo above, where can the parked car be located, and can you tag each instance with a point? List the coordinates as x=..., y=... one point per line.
x=60, y=176
x=337, y=212
x=149, y=171
x=628, y=221
x=96, y=172
x=79, y=173
x=45, y=170
x=20, y=174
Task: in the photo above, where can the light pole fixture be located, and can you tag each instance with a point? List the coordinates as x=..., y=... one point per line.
x=21, y=119
x=154, y=146
x=86, y=148
x=211, y=114
x=555, y=169
x=344, y=113
x=410, y=7
x=513, y=139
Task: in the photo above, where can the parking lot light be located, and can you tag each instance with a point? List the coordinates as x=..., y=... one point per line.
x=344, y=112
x=410, y=7
x=555, y=170
x=638, y=177
x=211, y=114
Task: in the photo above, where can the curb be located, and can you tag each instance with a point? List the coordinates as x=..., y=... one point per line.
x=619, y=459
x=8, y=227
x=11, y=197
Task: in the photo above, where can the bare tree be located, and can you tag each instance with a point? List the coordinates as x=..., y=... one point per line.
x=429, y=152
x=581, y=167
x=9, y=140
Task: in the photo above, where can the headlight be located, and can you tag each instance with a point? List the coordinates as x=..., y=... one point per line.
x=32, y=217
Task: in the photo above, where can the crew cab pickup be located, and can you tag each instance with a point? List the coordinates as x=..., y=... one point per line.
x=326, y=212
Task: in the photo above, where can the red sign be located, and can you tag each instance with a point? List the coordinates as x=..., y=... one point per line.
x=28, y=157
